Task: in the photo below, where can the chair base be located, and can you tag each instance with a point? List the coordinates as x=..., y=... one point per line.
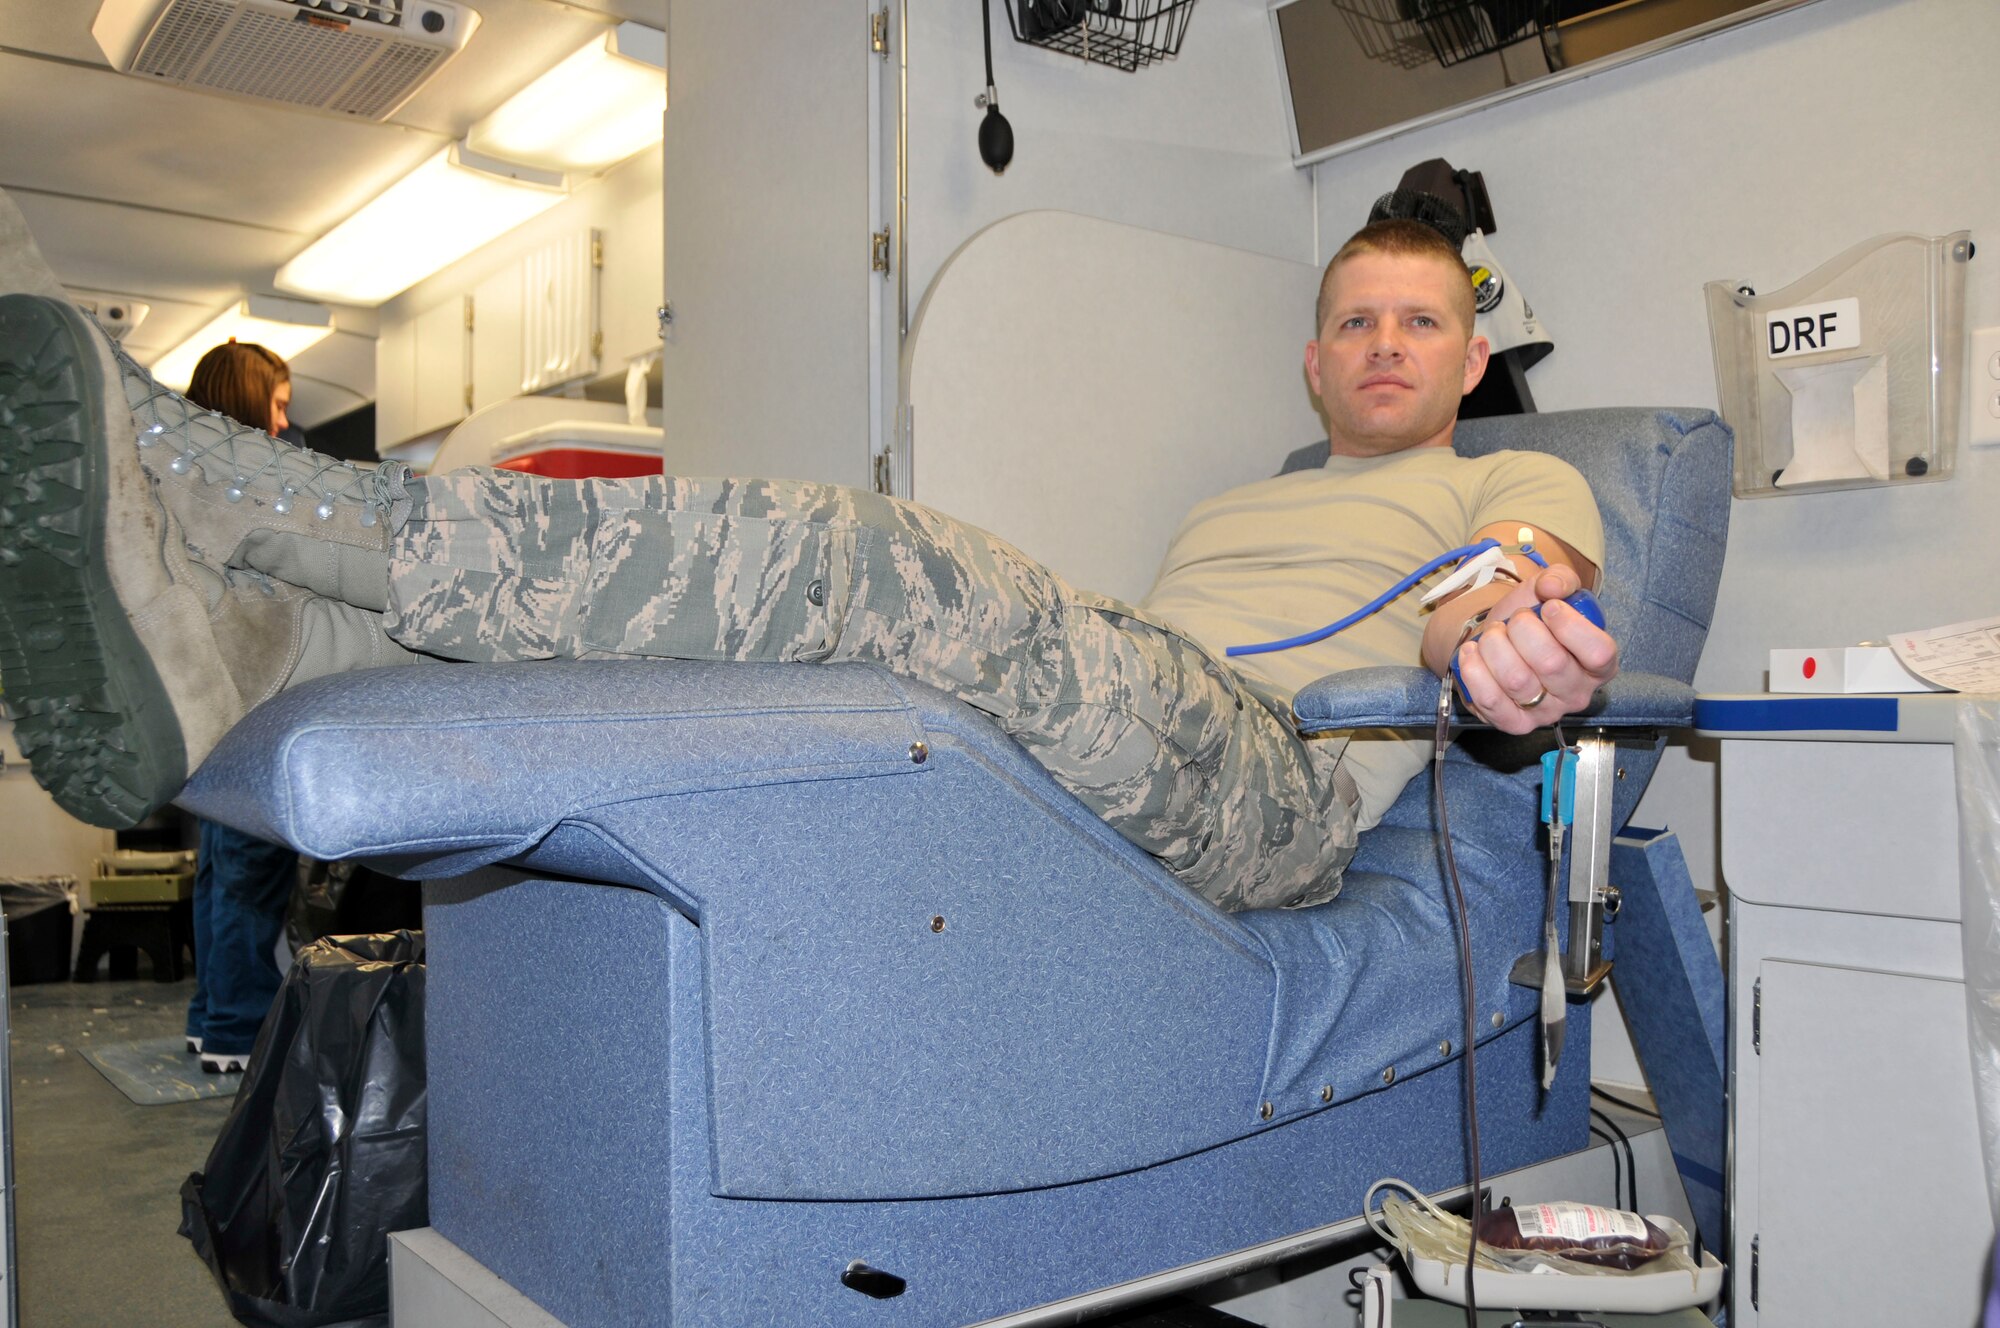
x=436, y=1284
x=570, y=1145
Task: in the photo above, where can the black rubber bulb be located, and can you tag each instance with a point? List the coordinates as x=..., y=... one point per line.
x=996, y=139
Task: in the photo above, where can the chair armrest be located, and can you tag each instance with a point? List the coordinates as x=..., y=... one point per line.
x=1390, y=697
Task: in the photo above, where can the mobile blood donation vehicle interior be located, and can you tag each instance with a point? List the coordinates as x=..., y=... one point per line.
x=624, y=985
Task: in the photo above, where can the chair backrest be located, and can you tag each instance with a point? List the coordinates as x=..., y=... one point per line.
x=1662, y=483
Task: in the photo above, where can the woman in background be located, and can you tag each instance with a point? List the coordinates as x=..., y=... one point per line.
x=241, y=883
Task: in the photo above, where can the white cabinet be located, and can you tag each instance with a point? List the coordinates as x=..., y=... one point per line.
x=496, y=338
x=1866, y=1142
x=766, y=366
x=422, y=372
x=443, y=346
x=395, y=383
x=1858, y=1190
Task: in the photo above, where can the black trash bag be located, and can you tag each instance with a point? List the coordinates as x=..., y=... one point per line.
x=340, y=898
x=323, y=1154
x=40, y=912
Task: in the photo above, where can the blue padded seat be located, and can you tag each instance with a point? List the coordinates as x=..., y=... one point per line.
x=727, y=991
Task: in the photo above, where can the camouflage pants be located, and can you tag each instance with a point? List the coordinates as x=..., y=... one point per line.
x=1163, y=742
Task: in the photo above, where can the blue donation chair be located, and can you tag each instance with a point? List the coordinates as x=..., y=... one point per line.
x=730, y=990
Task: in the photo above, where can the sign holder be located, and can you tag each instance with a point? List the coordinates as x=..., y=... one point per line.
x=1850, y=377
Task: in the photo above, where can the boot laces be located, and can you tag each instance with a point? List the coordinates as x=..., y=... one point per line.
x=243, y=459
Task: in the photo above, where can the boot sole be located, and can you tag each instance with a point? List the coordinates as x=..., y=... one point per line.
x=90, y=713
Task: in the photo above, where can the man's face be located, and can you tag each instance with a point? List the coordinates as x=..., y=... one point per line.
x=1395, y=356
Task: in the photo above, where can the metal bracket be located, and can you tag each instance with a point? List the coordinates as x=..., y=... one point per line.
x=1591, y=897
x=1527, y=972
x=878, y=32
x=1590, y=860
x=665, y=314
x=878, y=252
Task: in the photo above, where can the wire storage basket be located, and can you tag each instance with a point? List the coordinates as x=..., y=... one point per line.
x=1408, y=33
x=1125, y=34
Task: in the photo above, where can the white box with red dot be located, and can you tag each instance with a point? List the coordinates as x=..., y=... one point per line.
x=1843, y=669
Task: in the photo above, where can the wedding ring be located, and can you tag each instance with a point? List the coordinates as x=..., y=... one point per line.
x=1535, y=700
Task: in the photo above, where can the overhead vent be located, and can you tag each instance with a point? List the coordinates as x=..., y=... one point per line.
x=362, y=58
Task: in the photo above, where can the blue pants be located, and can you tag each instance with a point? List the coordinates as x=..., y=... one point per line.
x=241, y=886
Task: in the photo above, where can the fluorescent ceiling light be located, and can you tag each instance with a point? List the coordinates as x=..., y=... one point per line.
x=283, y=327
x=435, y=215
x=593, y=110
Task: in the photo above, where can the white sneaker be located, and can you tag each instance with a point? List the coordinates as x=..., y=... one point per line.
x=194, y=1045
x=216, y=1064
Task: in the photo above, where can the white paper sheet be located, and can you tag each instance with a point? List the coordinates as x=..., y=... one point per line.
x=1964, y=657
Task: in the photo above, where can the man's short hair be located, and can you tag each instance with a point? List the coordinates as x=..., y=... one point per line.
x=1399, y=237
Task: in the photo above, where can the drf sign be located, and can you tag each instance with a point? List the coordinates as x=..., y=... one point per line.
x=1808, y=329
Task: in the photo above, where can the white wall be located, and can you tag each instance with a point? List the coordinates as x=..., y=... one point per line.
x=41, y=838
x=1194, y=146
x=1755, y=154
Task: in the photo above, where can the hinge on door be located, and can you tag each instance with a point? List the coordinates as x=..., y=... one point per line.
x=1754, y=1258
x=597, y=251
x=878, y=32
x=468, y=398
x=468, y=313
x=878, y=252
x=882, y=472
x=1757, y=1017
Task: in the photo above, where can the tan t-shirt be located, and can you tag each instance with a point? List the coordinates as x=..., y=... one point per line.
x=1290, y=554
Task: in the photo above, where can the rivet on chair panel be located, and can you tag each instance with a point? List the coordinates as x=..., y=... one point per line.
x=1444, y=1047
x=1499, y=1019
x=1389, y=1075
x=1266, y=1111
x=1326, y=1092
x=937, y=922
x=920, y=752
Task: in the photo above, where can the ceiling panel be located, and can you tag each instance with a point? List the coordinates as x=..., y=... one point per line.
x=101, y=247
x=54, y=29
x=653, y=13
x=100, y=134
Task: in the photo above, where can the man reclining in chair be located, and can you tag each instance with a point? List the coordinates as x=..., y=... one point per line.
x=162, y=570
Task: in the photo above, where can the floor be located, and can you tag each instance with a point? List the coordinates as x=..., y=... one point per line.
x=97, y=1201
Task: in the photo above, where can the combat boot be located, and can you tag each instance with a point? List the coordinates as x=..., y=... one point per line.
x=110, y=669
x=246, y=499
x=124, y=656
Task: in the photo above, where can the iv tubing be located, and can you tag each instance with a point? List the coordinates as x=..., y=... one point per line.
x=1373, y=606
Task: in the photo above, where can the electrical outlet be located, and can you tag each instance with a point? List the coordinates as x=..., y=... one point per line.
x=1982, y=376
